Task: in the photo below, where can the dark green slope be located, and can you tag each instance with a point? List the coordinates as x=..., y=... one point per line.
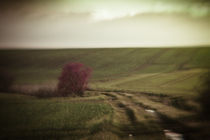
x=36, y=66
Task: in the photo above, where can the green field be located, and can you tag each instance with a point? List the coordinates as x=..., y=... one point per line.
x=158, y=70
x=54, y=118
x=96, y=115
x=125, y=84
x=92, y=117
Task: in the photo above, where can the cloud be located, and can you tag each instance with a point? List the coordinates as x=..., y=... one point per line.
x=103, y=22
x=192, y=9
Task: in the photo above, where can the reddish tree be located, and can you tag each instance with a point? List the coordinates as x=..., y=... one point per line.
x=73, y=79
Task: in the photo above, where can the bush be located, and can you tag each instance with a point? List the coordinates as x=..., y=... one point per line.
x=73, y=79
x=6, y=81
x=44, y=93
x=204, y=98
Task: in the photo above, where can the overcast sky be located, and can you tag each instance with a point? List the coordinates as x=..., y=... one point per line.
x=104, y=23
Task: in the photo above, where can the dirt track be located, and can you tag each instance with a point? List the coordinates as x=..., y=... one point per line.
x=138, y=113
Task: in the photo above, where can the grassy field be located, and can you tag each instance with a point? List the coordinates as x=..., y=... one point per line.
x=126, y=84
x=158, y=70
x=97, y=115
x=178, y=83
x=44, y=118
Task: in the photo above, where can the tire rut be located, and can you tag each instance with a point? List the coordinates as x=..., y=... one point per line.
x=144, y=119
x=167, y=122
x=140, y=121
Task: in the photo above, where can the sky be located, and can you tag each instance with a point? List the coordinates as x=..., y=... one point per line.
x=104, y=23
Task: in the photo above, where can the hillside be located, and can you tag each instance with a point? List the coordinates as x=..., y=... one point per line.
x=174, y=70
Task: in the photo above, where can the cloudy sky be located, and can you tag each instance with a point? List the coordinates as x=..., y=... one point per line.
x=104, y=23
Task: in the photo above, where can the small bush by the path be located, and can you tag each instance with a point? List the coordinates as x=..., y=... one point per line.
x=45, y=93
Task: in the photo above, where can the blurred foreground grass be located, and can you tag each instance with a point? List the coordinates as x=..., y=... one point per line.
x=27, y=117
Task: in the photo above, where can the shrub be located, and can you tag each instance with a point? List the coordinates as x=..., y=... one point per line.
x=73, y=79
x=44, y=93
x=6, y=81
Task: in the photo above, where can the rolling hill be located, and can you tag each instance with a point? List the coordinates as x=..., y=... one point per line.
x=159, y=70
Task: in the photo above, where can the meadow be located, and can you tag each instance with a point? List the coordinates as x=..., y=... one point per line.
x=125, y=84
x=164, y=69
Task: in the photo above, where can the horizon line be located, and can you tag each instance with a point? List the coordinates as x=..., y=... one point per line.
x=101, y=47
